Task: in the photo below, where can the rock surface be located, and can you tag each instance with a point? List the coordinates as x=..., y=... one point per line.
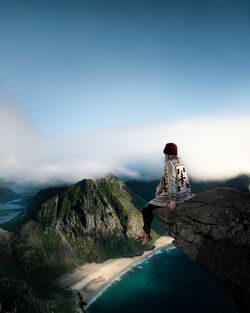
x=213, y=229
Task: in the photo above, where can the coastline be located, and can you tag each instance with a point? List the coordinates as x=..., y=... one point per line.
x=91, y=279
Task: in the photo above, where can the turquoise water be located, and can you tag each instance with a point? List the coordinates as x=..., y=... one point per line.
x=166, y=282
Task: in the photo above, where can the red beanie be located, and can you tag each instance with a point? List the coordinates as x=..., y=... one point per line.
x=170, y=148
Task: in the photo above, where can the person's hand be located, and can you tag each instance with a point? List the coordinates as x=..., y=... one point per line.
x=172, y=205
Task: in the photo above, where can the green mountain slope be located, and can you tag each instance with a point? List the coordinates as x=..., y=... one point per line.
x=92, y=220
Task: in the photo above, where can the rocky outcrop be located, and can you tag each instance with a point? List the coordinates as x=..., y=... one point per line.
x=213, y=229
x=92, y=220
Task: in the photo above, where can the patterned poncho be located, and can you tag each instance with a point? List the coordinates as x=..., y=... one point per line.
x=174, y=184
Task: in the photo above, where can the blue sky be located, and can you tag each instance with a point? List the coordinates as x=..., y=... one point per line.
x=89, y=66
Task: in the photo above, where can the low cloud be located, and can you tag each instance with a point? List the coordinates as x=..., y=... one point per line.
x=212, y=148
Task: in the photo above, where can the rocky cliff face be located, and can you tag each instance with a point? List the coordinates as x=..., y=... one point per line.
x=92, y=220
x=213, y=229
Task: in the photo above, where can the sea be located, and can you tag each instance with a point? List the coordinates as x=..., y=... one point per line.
x=165, y=282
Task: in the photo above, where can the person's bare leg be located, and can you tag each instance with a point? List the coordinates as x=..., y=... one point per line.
x=147, y=238
x=140, y=235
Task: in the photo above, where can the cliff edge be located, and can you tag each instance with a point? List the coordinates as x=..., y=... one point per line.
x=213, y=229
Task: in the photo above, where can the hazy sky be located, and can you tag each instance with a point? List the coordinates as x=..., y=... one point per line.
x=82, y=80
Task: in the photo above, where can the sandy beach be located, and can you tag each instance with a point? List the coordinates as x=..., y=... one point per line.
x=91, y=278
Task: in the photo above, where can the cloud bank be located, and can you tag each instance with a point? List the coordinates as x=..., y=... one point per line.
x=212, y=148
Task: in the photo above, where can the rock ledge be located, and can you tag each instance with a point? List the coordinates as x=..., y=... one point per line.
x=213, y=229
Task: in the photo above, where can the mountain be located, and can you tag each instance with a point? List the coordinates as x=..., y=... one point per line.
x=146, y=189
x=6, y=194
x=41, y=197
x=213, y=229
x=92, y=220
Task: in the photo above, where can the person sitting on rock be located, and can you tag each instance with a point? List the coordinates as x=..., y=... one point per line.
x=172, y=189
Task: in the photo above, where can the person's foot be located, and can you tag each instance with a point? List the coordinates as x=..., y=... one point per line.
x=140, y=235
x=146, y=239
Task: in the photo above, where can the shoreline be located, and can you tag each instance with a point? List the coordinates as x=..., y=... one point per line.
x=91, y=279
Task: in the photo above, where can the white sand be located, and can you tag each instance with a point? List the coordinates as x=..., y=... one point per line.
x=91, y=278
